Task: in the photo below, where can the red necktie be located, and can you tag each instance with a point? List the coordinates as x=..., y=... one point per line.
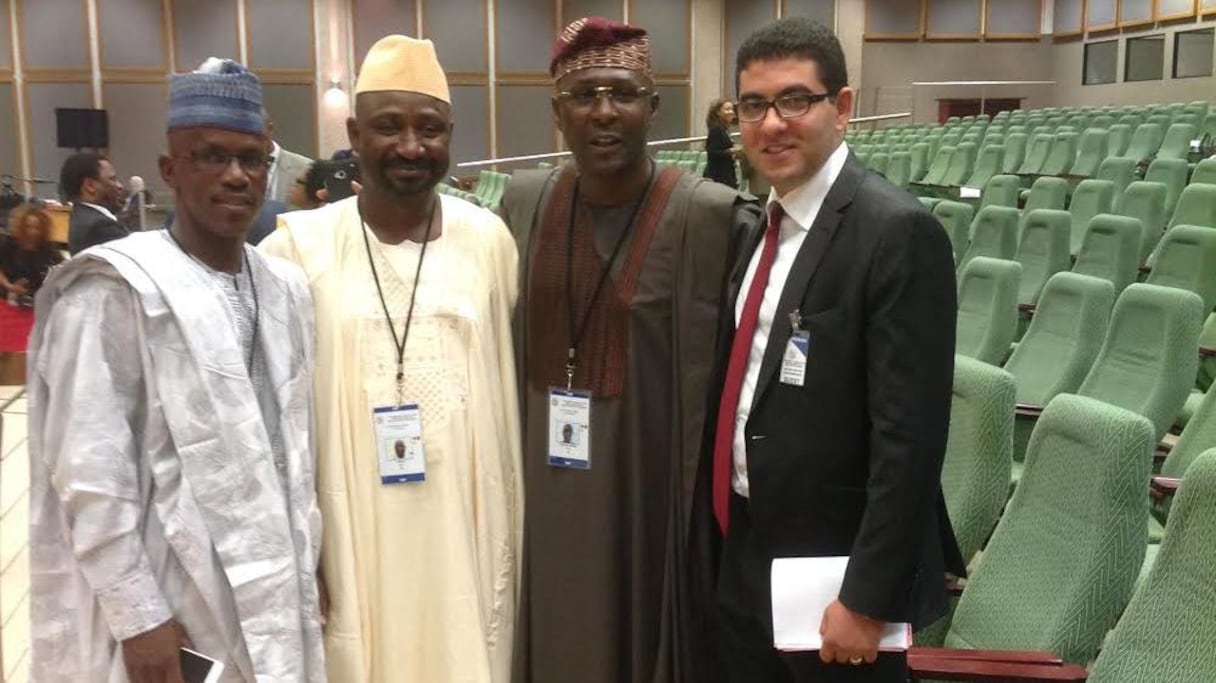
x=740, y=349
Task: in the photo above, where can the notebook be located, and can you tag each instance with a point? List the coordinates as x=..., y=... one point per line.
x=803, y=587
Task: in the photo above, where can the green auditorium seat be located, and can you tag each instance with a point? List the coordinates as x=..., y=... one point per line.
x=1177, y=142
x=1015, y=152
x=1046, y=193
x=1016, y=128
x=993, y=233
x=1036, y=155
x=1186, y=258
x=1172, y=173
x=986, y=166
x=1198, y=436
x=962, y=163
x=1132, y=121
x=1199, y=107
x=1145, y=142
x=1042, y=251
x=485, y=186
x=1189, y=120
x=1102, y=122
x=1209, y=125
x=937, y=170
x=1162, y=121
x=919, y=161
x=899, y=168
x=1059, y=346
x=1205, y=172
x=955, y=218
x=987, y=309
x=1119, y=170
x=1001, y=190
x=878, y=162
x=1118, y=137
x=1111, y=250
x=1148, y=360
x=1091, y=198
x=1063, y=154
x=1196, y=206
x=1165, y=633
x=1145, y=201
x=1061, y=564
x=976, y=468
x=1091, y=151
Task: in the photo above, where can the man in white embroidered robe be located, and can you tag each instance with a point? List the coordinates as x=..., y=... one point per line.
x=172, y=488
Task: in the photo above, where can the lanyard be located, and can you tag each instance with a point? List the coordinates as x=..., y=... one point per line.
x=236, y=283
x=576, y=330
x=409, y=317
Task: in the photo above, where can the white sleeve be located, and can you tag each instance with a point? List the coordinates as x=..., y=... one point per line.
x=92, y=367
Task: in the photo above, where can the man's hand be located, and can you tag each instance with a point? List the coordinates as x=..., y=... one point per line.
x=323, y=598
x=153, y=657
x=19, y=287
x=848, y=637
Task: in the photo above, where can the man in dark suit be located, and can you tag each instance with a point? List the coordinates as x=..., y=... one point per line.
x=835, y=401
x=89, y=181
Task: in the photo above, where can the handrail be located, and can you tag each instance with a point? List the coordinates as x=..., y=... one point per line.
x=652, y=143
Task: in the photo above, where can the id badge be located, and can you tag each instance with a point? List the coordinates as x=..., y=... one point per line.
x=570, y=429
x=399, y=444
x=793, y=361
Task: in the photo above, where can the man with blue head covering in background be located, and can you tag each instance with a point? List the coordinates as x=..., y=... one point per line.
x=172, y=492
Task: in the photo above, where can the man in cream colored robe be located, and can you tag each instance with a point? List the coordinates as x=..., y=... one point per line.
x=422, y=577
x=154, y=491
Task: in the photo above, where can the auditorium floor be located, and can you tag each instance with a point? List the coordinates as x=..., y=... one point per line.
x=14, y=539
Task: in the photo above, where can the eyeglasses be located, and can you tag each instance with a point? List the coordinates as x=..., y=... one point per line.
x=618, y=96
x=217, y=161
x=789, y=106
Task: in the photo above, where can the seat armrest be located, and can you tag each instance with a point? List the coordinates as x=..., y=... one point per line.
x=1207, y=352
x=1027, y=410
x=950, y=669
x=1041, y=657
x=1160, y=487
x=1028, y=309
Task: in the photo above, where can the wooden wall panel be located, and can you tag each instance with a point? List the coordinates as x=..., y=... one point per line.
x=893, y=20
x=954, y=19
x=281, y=34
x=1013, y=20
x=64, y=19
x=1068, y=17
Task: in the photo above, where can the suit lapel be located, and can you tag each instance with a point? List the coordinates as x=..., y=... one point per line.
x=818, y=238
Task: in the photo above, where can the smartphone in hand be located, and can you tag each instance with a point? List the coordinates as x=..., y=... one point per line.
x=199, y=668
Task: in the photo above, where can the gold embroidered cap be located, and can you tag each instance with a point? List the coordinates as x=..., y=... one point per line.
x=403, y=64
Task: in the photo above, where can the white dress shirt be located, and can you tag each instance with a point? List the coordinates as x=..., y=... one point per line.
x=272, y=176
x=801, y=206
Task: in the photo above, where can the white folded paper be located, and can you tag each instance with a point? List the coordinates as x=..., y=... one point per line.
x=969, y=193
x=803, y=587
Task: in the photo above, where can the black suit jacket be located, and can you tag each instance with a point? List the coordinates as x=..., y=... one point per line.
x=850, y=463
x=88, y=227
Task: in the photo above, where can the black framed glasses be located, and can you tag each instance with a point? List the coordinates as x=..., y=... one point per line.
x=217, y=161
x=618, y=95
x=788, y=106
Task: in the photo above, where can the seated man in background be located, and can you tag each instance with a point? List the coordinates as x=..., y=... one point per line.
x=89, y=181
x=285, y=167
x=26, y=254
x=172, y=497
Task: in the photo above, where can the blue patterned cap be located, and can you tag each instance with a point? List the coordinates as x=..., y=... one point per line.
x=220, y=94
